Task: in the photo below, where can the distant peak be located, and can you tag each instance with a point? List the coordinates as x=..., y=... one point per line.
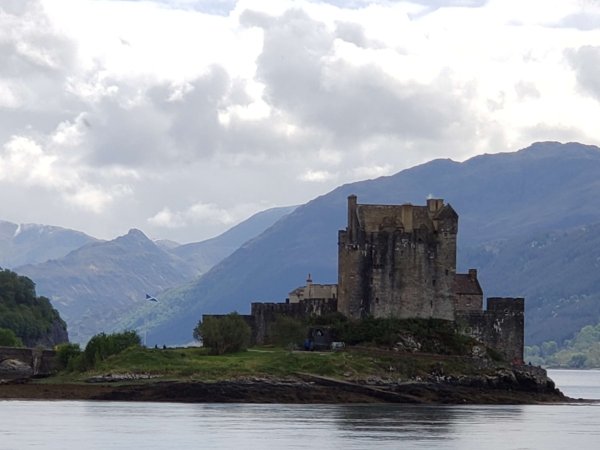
x=553, y=149
x=555, y=145
x=134, y=232
x=134, y=235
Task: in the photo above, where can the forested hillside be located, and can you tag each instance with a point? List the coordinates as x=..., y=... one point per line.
x=31, y=318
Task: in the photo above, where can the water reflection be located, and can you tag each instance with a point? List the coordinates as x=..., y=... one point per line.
x=120, y=425
x=100, y=425
x=388, y=421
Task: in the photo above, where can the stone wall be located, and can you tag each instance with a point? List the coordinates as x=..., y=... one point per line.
x=501, y=327
x=42, y=362
x=468, y=302
x=265, y=314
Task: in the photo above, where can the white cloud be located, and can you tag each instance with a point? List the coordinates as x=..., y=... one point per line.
x=372, y=171
x=204, y=214
x=165, y=218
x=195, y=114
x=316, y=176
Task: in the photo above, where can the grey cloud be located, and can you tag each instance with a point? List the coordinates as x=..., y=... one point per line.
x=36, y=61
x=586, y=64
x=349, y=102
x=584, y=21
x=525, y=89
x=30, y=43
x=553, y=132
x=353, y=4
x=162, y=127
x=353, y=33
x=217, y=7
x=434, y=4
x=194, y=123
x=252, y=18
x=238, y=94
x=15, y=7
x=129, y=137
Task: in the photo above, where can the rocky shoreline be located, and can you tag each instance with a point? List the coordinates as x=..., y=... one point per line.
x=523, y=385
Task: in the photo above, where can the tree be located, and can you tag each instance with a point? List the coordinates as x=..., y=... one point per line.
x=9, y=339
x=102, y=345
x=287, y=331
x=68, y=355
x=225, y=334
x=32, y=319
x=577, y=361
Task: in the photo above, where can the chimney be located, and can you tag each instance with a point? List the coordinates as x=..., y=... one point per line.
x=308, y=293
x=473, y=274
x=434, y=204
x=352, y=219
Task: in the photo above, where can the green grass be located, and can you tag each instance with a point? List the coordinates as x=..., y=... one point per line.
x=261, y=362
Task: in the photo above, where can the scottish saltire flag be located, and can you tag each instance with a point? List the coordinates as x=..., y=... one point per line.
x=151, y=299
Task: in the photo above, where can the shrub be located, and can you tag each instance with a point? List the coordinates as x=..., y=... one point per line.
x=287, y=331
x=433, y=335
x=69, y=356
x=226, y=334
x=9, y=339
x=102, y=345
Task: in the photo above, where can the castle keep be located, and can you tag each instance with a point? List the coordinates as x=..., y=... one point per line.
x=400, y=261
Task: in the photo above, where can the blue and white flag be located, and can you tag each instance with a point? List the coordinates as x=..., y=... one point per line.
x=151, y=299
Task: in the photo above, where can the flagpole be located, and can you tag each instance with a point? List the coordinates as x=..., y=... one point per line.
x=149, y=298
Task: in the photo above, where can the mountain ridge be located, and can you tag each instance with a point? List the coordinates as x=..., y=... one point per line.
x=98, y=284
x=547, y=186
x=30, y=243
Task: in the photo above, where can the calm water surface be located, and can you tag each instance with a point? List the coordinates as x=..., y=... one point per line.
x=116, y=425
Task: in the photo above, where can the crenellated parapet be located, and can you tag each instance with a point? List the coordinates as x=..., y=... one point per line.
x=501, y=326
x=398, y=260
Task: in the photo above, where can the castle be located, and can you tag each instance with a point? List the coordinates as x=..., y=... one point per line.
x=400, y=261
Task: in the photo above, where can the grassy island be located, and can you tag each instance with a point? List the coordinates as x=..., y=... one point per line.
x=277, y=375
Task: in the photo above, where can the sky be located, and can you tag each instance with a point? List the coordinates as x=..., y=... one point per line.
x=184, y=117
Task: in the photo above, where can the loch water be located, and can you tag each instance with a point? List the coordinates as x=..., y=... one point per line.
x=127, y=425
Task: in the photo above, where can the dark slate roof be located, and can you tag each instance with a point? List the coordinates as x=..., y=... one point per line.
x=446, y=212
x=466, y=285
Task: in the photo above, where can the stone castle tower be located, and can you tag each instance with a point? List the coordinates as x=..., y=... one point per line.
x=398, y=261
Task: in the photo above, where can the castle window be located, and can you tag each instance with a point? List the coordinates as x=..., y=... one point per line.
x=433, y=282
x=446, y=271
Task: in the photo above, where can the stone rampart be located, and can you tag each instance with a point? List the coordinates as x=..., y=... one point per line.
x=501, y=327
x=265, y=314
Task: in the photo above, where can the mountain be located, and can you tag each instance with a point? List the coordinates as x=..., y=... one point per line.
x=556, y=271
x=204, y=255
x=502, y=200
x=31, y=243
x=95, y=285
